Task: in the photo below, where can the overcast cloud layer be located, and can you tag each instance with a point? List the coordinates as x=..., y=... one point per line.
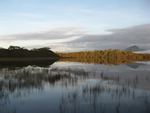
x=76, y=39
x=118, y=39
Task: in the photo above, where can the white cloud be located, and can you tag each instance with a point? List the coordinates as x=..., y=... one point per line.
x=77, y=39
x=40, y=39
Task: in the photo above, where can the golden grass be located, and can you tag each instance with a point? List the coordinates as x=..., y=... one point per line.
x=104, y=57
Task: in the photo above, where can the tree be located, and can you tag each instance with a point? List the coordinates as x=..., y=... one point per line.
x=14, y=47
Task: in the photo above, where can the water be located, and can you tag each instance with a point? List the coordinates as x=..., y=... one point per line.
x=71, y=87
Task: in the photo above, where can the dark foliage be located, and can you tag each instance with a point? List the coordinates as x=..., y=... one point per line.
x=18, y=52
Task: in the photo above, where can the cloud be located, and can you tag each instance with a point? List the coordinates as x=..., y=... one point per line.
x=40, y=39
x=77, y=39
x=117, y=39
x=57, y=33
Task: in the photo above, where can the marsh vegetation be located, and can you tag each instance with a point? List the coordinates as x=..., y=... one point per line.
x=104, y=57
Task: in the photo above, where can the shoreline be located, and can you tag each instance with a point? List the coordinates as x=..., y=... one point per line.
x=27, y=59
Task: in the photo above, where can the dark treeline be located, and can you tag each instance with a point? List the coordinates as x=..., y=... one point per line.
x=19, y=52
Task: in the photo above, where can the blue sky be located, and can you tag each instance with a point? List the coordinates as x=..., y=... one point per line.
x=90, y=16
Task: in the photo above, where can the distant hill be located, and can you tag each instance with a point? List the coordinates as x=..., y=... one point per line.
x=134, y=48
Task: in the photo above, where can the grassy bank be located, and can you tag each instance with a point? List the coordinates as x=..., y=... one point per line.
x=104, y=56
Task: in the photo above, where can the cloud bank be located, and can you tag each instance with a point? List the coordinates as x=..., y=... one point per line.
x=75, y=39
x=118, y=39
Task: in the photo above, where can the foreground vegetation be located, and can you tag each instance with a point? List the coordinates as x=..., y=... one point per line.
x=104, y=56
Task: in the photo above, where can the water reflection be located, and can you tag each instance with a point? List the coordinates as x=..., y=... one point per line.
x=106, y=99
x=27, y=61
x=69, y=87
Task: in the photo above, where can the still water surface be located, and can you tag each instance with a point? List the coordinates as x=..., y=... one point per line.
x=70, y=87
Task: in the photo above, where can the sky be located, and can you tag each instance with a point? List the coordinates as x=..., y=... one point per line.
x=75, y=25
